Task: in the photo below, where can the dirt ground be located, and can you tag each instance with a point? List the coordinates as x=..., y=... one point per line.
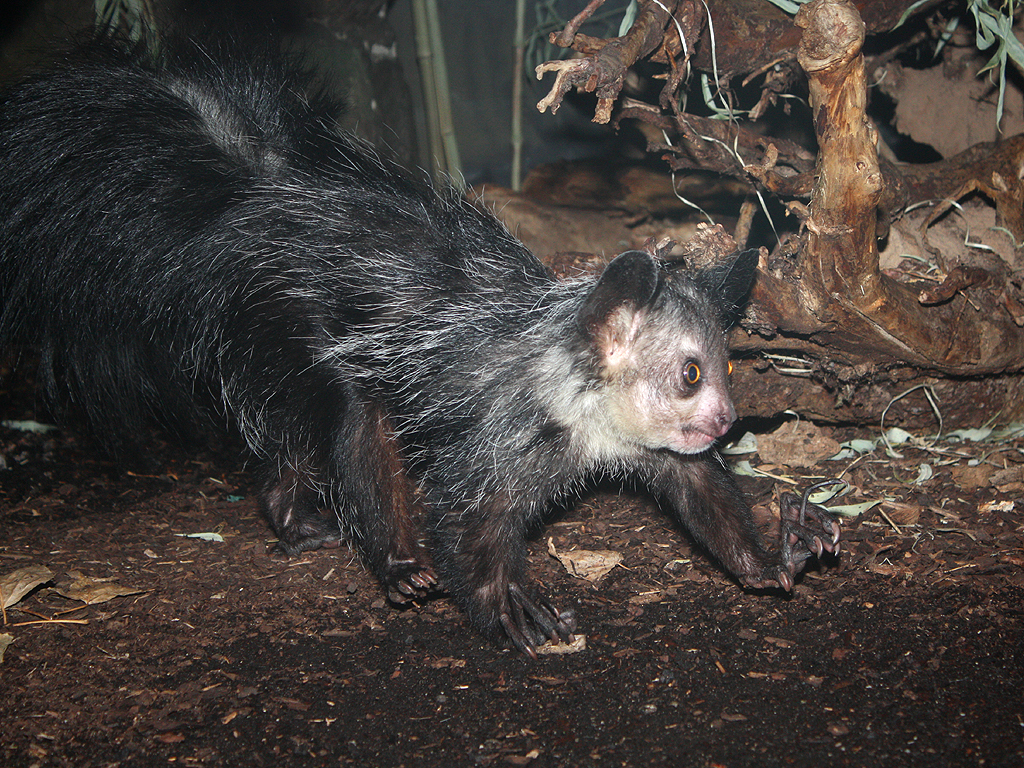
x=906, y=651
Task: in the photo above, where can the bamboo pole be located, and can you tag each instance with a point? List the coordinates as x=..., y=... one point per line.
x=425, y=58
x=517, y=98
x=446, y=126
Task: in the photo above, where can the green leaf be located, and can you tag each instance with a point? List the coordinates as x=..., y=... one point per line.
x=852, y=510
x=909, y=11
x=628, y=18
x=203, y=536
x=791, y=7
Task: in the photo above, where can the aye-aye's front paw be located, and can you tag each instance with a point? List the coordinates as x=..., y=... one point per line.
x=806, y=530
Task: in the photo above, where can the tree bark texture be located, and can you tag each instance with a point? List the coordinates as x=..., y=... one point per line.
x=752, y=34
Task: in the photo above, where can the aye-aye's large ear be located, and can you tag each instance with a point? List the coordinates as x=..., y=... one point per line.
x=626, y=286
x=730, y=281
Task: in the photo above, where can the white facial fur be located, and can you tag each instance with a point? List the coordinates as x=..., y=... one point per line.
x=647, y=396
x=661, y=378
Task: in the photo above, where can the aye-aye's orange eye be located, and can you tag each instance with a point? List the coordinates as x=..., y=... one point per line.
x=730, y=367
x=691, y=373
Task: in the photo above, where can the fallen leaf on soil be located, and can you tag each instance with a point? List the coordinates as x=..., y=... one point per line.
x=730, y=718
x=1010, y=479
x=653, y=596
x=972, y=435
x=579, y=643
x=888, y=569
x=973, y=478
x=743, y=468
x=92, y=591
x=526, y=759
x=851, y=510
x=903, y=514
x=591, y=565
x=997, y=506
x=28, y=426
x=852, y=448
x=746, y=444
x=5, y=640
x=924, y=472
x=446, y=662
x=797, y=445
x=16, y=584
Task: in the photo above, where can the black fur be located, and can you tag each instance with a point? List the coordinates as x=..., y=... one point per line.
x=194, y=233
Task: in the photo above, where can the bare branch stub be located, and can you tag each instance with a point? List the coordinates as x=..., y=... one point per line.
x=566, y=36
x=603, y=68
x=959, y=279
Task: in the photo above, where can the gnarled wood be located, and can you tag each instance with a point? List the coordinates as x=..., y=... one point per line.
x=824, y=293
x=752, y=34
x=859, y=309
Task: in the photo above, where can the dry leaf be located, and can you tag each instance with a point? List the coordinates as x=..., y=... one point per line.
x=5, y=640
x=579, y=643
x=1008, y=479
x=973, y=478
x=91, y=591
x=591, y=565
x=644, y=598
x=16, y=584
x=903, y=514
x=996, y=506
x=799, y=444
x=736, y=718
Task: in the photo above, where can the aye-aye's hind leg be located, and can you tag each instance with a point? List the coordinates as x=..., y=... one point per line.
x=293, y=504
x=480, y=552
x=366, y=495
x=702, y=493
x=388, y=513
